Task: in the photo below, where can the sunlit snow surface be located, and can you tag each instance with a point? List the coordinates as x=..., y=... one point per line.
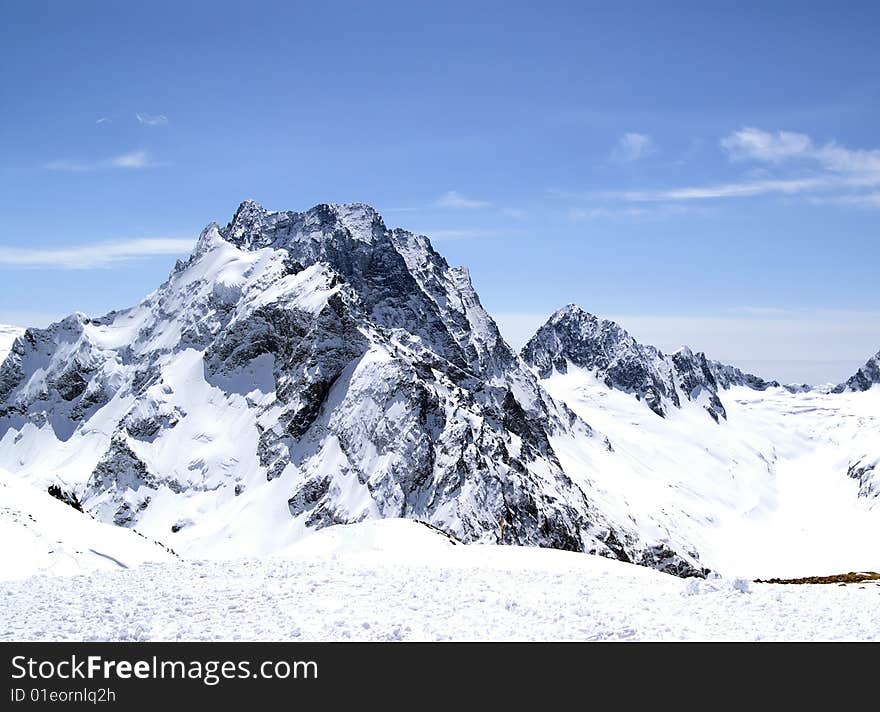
x=399, y=580
x=41, y=535
x=764, y=494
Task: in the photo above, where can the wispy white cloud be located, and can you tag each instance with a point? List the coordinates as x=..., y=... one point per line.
x=93, y=255
x=617, y=211
x=459, y=233
x=455, y=200
x=632, y=147
x=603, y=213
x=152, y=120
x=752, y=144
x=721, y=190
x=756, y=145
x=104, y=120
x=788, y=163
x=135, y=159
x=132, y=159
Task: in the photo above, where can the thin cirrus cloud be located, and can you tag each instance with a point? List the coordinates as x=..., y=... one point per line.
x=832, y=173
x=632, y=147
x=91, y=256
x=458, y=234
x=722, y=190
x=130, y=160
x=455, y=200
x=152, y=119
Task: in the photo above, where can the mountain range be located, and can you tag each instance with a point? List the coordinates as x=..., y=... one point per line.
x=304, y=369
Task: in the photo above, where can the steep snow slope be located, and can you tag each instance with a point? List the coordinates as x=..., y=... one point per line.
x=392, y=580
x=307, y=369
x=784, y=487
x=42, y=535
x=8, y=334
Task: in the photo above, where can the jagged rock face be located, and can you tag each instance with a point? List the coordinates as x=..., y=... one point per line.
x=306, y=369
x=727, y=376
x=57, y=376
x=863, y=379
x=573, y=336
x=697, y=381
x=865, y=471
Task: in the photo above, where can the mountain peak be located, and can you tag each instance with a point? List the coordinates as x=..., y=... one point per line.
x=863, y=379
x=570, y=311
x=247, y=213
x=573, y=336
x=254, y=227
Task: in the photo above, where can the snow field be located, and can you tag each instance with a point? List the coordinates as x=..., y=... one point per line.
x=399, y=580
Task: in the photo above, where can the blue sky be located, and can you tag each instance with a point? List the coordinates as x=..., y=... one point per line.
x=706, y=172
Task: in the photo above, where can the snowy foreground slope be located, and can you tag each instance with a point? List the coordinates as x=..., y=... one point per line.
x=41, y=535
x=398, y=580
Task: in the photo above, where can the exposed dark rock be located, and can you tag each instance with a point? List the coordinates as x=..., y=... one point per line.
x=574, y=337
x=863, y=379
x=69, y=498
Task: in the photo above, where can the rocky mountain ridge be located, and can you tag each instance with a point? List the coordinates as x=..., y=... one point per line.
x=302, y=369
x=574, y=336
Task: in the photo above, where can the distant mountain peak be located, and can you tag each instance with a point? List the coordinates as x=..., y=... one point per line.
x=575, y=336
x=863, y=379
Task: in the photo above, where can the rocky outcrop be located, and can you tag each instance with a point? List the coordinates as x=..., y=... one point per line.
x=865, y=378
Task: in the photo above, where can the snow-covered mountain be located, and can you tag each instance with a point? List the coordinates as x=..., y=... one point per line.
x=574, y=337
x=777, y=480
x=866, y=377
x=307, y=369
